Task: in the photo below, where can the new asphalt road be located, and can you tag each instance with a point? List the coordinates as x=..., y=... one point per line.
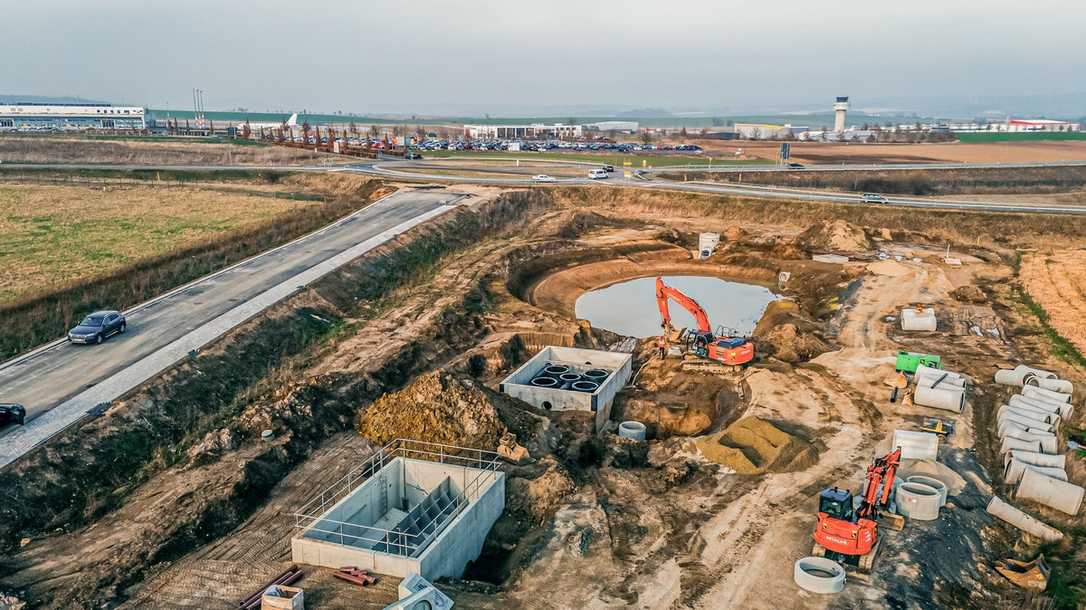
x=59, y=373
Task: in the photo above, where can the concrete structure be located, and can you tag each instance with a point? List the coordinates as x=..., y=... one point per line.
x=69, y=117
x=916, y=445
x=413, y=507
x=417, y=593
x=517, y=132
x=607, y=371
x=840, y=112
x=1009, y=514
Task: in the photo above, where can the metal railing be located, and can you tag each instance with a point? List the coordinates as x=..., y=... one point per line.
x=310, y=518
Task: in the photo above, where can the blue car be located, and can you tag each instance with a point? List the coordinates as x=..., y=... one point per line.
x=98, y=327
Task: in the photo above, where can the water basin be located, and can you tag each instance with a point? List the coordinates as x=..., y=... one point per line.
x=629, y=308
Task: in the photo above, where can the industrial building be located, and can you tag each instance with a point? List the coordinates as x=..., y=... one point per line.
x=766, y=131
x=516, y=132
x=70, y=117
x=624, y=126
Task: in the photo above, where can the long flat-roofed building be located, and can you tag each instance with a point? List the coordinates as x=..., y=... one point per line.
x=69, y=117
x=515, y=132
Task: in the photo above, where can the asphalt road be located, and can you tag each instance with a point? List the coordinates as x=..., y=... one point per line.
x=46, y=377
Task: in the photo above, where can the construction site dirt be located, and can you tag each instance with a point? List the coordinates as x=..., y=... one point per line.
x=174, y=500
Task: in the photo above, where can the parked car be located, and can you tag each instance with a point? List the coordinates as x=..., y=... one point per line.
x=597, y=174
x=543, y=178
x=608, y=168
x=98, y=327
x=873, y=198
x=11, y=413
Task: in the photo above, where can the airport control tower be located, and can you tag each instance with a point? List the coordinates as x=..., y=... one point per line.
x=840, y=109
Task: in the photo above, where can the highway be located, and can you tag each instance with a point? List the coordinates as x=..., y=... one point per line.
x=415, y=171
x=72, y=378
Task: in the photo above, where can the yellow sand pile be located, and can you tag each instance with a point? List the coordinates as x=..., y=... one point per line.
x=834, y=236
x=753, y=446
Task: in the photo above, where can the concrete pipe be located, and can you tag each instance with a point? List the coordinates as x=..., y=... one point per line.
x=926, y=375
x=1030, y=391
x=596, y=375
x=1048, y=442
x=1006, y=427
x=1064, y=409
x=584, y=386
x=1026, y=422
x=1048, y=417
x=1009, y=377
x=634, y=430
x=1015, y=444
x=1034, y=458
x=949, y=399
x=545, y=382
x=1060, y=495
x=1061, y=386
x=916, y=445
x=918, y=501
x=555, y=370
x=819, y=575
x=1014, y=469
x=1039, y=373
x=1009, y=514
x=1021, y=375
x=931, y=482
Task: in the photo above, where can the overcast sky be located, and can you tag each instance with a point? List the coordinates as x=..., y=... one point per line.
x=431, y=56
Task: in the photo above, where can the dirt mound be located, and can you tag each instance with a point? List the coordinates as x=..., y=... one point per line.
x=969, y=294
x=437, y=408
x=785, y=334
x=541, y=496
x=733, y=233
x=753, y=446
x=834, y=235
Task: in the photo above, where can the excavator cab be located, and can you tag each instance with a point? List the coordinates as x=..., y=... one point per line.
x=836, y=503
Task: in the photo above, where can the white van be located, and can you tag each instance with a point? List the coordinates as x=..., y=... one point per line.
x=597, y=174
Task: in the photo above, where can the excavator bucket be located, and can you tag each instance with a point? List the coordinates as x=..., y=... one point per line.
x=1031, y=575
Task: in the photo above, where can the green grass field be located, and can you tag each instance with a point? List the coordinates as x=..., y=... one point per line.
x=616, y=159
x=1035, y=136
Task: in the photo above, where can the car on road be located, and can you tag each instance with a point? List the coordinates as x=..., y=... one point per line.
x=11, y=413
x=873, y=198
x=597, y=174
x=795, y=166
x=543, y=178
x=98, y=327
x=412, y=156
x=608, y=168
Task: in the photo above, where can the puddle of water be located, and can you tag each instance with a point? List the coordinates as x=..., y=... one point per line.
x=629, y=308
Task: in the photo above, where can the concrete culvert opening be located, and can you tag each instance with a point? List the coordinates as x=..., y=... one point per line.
x=570, y=377
x=632, y=429
x=556, y=369
x=819, y=575
x=547, y=405
x=545, y=382
x=596, y=375
x=585, y=386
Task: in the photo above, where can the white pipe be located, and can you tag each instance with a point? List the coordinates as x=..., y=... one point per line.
x=1036, y=459
x=1009, y=514
x=1013, y=471
x=1030, y=391
x=926, y=375
x=1048, y=442
x=1005, y=427
x=1029, y=422
x=1017, y=444
x=1064, y=409
x=1023, y=370
x=950, y=399
x=1008, y=377
x=1049, y=417
x=1060, y=495
x=1055, y=385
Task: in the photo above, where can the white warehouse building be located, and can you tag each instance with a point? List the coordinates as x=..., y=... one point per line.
x=515, y=132
x=69, y=117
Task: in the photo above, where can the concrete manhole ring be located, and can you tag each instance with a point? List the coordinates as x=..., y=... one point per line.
x=819, y=575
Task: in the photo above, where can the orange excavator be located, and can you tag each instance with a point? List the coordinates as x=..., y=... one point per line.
x=728, y=350
x=851, y=535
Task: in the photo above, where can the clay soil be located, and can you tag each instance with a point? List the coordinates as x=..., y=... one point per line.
x=1056, y=280
x=599, y=522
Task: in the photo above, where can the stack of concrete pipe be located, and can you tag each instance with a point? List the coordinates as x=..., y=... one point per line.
x=1023, y=376
x=940, y=389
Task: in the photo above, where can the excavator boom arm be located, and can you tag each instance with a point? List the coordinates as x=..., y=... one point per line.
x=665, y=292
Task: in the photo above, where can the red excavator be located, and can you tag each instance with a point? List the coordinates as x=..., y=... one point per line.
x=851, y=535
x=729, y=350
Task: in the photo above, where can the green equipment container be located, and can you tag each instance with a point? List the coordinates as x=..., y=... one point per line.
x=908, y=361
